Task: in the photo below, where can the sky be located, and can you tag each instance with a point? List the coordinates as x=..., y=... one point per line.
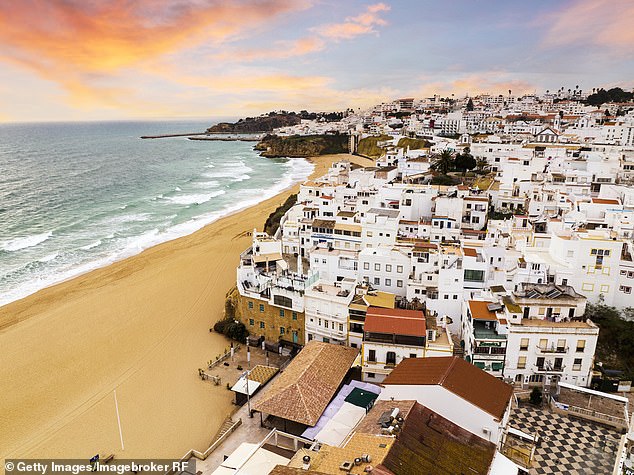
x=69, y=60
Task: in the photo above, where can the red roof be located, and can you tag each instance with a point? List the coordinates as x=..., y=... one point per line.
x=456, y=375
x=480, y=311
x=603, y=201
x=395, y=321
x=469, y=251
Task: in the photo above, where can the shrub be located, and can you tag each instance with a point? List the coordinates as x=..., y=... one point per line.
x=536, y=396
x=232, y=329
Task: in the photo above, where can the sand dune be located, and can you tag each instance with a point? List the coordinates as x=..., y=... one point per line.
x=140, y=327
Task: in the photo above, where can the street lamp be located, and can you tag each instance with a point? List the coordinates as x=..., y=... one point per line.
x=246, y=376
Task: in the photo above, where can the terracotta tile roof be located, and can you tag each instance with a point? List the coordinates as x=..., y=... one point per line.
x=302, y=392
x=395, y=321
x=328, y=459
x=456, y=375
x=603, y=201
x=429, y=443
x=263, y=374
x=284, y=470
x=469, y=251
x=370, y=423
x=480, y=311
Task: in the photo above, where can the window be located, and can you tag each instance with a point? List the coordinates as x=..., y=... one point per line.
x=369, y=234
x=446, y=297
x=581, y=346
x=471, y=275
x=281, y=312
x=388, y=267
x=282, y=301
x=325, y=323
x=540, y=363
x=251, y=322
x=372, y=356
x=388, y=282
x=412, y=355
x=577, y=364
x=605, y=288
x=627, y=290
x=524, y=344
x=587, y=287
x=262, y=325
x=261, y=308
x=282, y=330
x=543, y=343
x=341, y=327
x=371, y=376
x=294, y=315
x=561, y=346
x=399, y=269
x=377, y=281
x=399, y=283
x=366, y=266
x=521, y=362
x=377, y=267
x=250, y=305
x=390, y=358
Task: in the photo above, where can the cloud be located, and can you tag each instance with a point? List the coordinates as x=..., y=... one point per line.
x=77, y=44
x=281, y=50
x=606, y=23
x=361, y=24
x=489, y=82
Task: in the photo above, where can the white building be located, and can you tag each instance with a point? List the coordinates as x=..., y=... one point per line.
x=455, y=389
x=326, y=311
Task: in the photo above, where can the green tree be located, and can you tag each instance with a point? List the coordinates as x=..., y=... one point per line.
x=444, y=161
x=470, y=105
x=482, y=165
x=536, y=396
x=464, y=161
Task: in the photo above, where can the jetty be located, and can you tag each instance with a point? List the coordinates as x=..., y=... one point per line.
x=227, y=139
x=165, y=136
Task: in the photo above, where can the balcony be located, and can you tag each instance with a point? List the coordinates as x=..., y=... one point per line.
x=554, y=369
x=552, y=349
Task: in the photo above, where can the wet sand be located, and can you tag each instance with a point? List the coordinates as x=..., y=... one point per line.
x=139, y=327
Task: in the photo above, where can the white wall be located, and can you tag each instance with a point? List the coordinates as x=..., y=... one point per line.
x=448, y=405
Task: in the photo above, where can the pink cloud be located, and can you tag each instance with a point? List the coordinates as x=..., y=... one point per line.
x=493, y=82
x=593, y=22
x=361, y=24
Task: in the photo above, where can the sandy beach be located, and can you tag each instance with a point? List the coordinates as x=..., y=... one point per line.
x=138, y=329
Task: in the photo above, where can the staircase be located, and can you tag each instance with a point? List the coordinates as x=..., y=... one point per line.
x=458, y=350
x=226, y=426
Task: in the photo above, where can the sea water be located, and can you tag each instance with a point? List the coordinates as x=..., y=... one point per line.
x=77, y=196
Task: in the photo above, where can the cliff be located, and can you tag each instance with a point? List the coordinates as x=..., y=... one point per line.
x=255, y=125
x=302, y=145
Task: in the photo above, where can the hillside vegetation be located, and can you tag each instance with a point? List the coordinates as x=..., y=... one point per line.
x=368, y=145
x=302, y=145
x=272, y=223
x=413, y=144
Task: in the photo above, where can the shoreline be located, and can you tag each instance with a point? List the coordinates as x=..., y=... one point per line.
x=198, y=223
x=138, y=326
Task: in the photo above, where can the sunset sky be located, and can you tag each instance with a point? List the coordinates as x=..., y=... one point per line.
x=119, y=59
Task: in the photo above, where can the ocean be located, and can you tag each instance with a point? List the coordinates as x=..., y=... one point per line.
x=77, y=196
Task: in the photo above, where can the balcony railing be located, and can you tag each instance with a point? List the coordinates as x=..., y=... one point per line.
x=552, y=349
x=553, y=369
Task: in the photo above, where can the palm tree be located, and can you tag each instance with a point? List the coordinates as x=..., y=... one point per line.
x=444, y=161
x=482, y=164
